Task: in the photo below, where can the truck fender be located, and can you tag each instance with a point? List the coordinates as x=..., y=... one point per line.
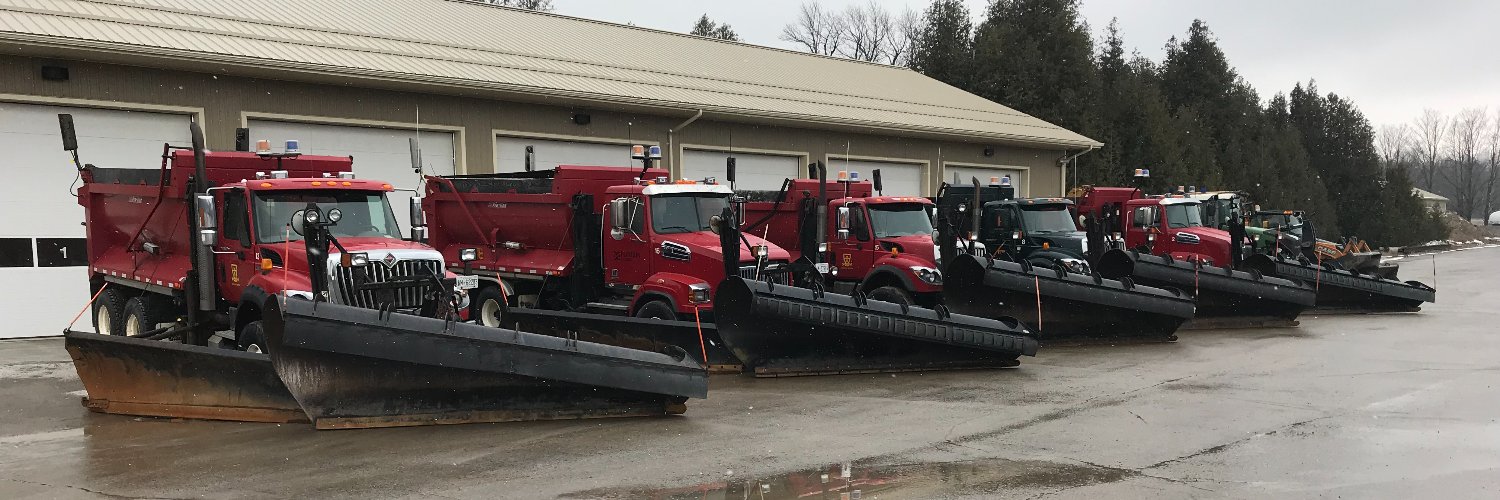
x=672, y=287
x=505, y=286
x=888, y=272
x=252, y=302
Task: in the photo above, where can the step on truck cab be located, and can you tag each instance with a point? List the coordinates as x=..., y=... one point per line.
x=879, y=245
x=251, y=227
x=607, y=240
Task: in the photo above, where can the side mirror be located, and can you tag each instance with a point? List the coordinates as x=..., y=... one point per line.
x=878, y=188
x=416, y=155
x=716, y=224
x=207, y=219
x=740, y=212
x=418, y=217
x=729, y=171
x=843, y=223
x=617, y=216
x=69, y=135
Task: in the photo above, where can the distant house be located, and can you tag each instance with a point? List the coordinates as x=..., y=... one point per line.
x=1433, y=200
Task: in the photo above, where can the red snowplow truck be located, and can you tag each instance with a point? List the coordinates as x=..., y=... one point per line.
x=601, y=252
x=880, y=246
x=347, y=324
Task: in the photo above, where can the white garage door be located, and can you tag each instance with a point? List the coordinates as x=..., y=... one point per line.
x=510, y=154
x=967, y=173
x=751, y=171
x=898, y=179
x=43, y=273
x=379, y=153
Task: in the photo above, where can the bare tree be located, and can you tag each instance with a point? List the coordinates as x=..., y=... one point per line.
x=867, y=32
x=1469, y=129
x=1431, y=134
x=816, y=29
x=1492, y=167
x=1394, y=143
x=899, y=46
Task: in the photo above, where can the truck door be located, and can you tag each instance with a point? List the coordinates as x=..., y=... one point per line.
x=1141, y=218
x=627, y=247
x=853, y=255
x=235, y=254
x=1007, y=222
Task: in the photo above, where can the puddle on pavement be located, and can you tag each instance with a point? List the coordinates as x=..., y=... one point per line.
x=861, y=482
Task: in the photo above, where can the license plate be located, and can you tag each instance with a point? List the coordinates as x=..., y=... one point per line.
x=466, y=283
x=822, y=267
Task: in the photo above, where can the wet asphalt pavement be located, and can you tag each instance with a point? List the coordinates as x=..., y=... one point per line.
x=1376, y=406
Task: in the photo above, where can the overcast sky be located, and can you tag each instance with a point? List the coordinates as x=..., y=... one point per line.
x=1392, y=57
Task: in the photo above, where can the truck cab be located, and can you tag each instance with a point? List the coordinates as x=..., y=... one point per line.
x=1037, y=230
x=1173, y=226
x=884, y=243
x=661, y=247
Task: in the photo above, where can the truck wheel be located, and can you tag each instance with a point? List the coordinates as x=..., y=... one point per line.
x=656, y=309
x=890, y=294
x=252, y=337
x=144, y=312
x=488, y=307
x=107, y=312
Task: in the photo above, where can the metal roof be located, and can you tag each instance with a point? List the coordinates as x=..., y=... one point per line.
x=454, y=43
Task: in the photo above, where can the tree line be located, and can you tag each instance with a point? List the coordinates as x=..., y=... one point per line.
x=1190, y=117
x=1455, y=156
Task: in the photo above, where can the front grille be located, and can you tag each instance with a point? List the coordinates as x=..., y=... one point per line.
x=779, y=276
x=403, y=297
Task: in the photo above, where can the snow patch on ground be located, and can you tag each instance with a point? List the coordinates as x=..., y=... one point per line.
x=53, y=370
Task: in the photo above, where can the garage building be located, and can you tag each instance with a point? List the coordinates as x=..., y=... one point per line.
x=477, y=85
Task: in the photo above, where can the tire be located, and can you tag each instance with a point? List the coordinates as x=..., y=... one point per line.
x=488, y=307
x=252, y=337
x=109, y=310
x=656, y=309
x=143, y=312
x=891, y=294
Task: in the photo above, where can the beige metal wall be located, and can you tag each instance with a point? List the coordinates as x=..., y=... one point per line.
x=226, y=101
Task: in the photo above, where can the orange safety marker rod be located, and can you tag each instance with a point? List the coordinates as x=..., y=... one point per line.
x=86, y=306
x=698, y=318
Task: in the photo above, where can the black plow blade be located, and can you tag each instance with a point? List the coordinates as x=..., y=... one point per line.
x=1226, y=298
x=352, y=368
x=672, y=337
x=1339, y=290
x=1074, y=308
x=130, y=376
x=786, y=331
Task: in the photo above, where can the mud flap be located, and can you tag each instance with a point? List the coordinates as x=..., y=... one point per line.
x=787, y=331
x=1225, y=297
x=130, y=376
x=1075, y=308
x=351, y=368
x=624, y=331
x=1341, y=290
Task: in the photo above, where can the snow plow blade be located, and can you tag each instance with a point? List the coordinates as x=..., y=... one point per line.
x=779, y=331
x=349, y=367
x=634, y=333
x=1225, y=298
x=1341, y=290
x=154, y=378
x=1074, y=308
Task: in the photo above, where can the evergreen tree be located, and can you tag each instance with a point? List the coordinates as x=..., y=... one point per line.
x=705, y=27
x=944, y=48
x=1036, y=56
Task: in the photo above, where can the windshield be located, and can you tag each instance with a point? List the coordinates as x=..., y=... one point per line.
x=1047, y=218
x=685, y=213
x=1290, y=224
x=1184, y=215
x=365, y=214
x=900, y=219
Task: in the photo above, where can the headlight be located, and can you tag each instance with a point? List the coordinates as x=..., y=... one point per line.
x=928, y=275
x=822, y=247
x=335, y=215
x=359, y=259
x=761, y=251
x=468, y=254
x=698, y=293
x=310, y=215
x=1085, y=247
